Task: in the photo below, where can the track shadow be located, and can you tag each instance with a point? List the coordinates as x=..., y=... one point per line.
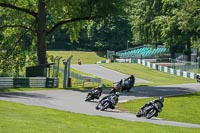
x=113, y=111
x=22, y=94
x=92, y=101
x=146, y=91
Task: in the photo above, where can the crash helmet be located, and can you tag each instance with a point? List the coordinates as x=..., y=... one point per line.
x=161, y=99
x=117, y=94
x=99, y=88
x=132, y=77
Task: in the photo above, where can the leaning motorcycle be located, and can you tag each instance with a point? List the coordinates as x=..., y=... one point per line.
x=116, y=87
x=127, y=84
x=93, y=94
x=108, y=102
x=150, y=111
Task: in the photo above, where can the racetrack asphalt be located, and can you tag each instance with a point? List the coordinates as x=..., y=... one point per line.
x=104, y=73
x=74, y=101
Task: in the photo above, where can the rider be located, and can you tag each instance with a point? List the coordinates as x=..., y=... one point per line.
x=160, y=100
x=128, y=80
x=97, y=91
x=132, y=78
x=115, y=97
x=117, y=87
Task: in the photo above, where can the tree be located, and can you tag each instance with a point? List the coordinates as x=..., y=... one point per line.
x=142, y=14
x=169, y=22
x=112, y=34
x=42, y=17
x=189, y=20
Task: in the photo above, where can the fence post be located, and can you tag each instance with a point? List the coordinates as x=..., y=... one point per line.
x=198, y=60
x=56, y=66
x=66, y=72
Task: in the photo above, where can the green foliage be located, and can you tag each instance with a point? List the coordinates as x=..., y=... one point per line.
x=111, y=34
x=35, y=20
x=168, y=22
x=142, y=13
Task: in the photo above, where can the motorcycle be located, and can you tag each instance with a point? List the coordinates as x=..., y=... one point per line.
x=150, y=111
x=93, y=94
x=127, y=84
x=108, y=102
x=198, y=78
x=116, y=87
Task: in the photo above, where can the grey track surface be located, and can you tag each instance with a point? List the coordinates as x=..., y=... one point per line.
x=103, y=72
x=73, y=101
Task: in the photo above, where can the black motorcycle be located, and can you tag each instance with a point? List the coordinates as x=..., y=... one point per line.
x=108, y=102
x=116, y=87
x=150, y=111
x=93, y=94
x=127, y=84
x=198, y=78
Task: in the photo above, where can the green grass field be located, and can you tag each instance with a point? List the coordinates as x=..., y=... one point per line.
x=19, y=118
x=183, y=108
x=154, y=76
x=86, y=57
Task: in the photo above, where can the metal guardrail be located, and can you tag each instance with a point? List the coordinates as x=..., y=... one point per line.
x=28, y=82
x=83, y=78
x=86, y=78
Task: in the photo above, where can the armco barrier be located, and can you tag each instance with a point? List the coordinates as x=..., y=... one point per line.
x=86, y=78
x=28, y=82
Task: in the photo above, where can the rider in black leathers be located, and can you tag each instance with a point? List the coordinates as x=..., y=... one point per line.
x=128, y=80
x=160, y=100
x=116, y=99
x=98, y=91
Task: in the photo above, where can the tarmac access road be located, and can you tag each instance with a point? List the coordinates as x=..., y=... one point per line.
x=104, y=73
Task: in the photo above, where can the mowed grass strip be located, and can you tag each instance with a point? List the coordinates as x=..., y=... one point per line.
x=154, y=76
x=86, y=57
x=183, y=108
x=19, y=118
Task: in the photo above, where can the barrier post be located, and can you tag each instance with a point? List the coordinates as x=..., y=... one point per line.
x=67, y=63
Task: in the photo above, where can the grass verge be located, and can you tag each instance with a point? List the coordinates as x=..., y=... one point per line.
x=155, y=77
x=35, y=119
x=86, y=57
x=183, y=108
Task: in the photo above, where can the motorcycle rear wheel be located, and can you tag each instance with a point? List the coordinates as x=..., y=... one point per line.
x=151, y=113
x=105, y=106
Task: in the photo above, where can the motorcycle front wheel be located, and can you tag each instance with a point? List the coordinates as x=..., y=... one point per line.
x=139, y=113
x=88, y=98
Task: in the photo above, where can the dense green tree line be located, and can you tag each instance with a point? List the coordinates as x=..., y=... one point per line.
x=169, y=22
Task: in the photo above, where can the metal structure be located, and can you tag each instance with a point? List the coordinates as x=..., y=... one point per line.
x=67, y=80
x=56, y=66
